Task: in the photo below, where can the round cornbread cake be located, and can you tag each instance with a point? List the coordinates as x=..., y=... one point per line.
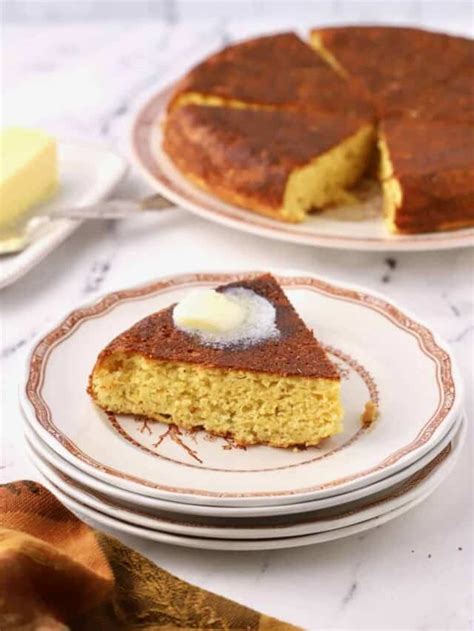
x=284, y=128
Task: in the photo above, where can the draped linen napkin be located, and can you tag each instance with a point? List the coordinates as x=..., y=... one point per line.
x=58, y=573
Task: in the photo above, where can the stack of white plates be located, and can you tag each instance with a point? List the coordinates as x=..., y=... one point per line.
x=195, y=490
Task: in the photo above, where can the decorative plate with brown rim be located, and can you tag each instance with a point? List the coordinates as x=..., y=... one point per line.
x=412, y=485
x=154, y=505
x=383, y=354
x=381, y=513
x=355, y=227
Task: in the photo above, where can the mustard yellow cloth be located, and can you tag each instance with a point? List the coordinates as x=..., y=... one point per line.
x=58, y=573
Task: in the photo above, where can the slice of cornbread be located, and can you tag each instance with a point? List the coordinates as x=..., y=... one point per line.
x=424, y=98
x=366, y=73
x=283, y=391
x=28, y=171
x=279, y=163
x=427, y=174
x=406, y=72
x=273, y=72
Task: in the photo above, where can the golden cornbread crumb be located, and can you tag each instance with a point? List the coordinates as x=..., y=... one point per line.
x=252, y=407
x=324, y=180
x=320, y=183
x=370, y=413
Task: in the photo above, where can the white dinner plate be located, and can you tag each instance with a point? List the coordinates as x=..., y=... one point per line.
x=383, y=353
x=87, y=174
x=95, y=517
x=154, y=506
x=335, y=229
x=409, y=489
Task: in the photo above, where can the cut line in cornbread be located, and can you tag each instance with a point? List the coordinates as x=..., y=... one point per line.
x=282, y=391
x=428, y=189
x=369, y=73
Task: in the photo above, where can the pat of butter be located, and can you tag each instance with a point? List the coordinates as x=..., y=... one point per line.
x=28, y=171
x=208, y=310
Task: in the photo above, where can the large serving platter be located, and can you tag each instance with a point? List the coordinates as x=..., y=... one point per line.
x=356, y=227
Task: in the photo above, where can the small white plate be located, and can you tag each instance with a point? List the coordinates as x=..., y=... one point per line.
x=387, y=356
x=429, y=484
x=86, y=175
x=154, y=506
x=412, y=487
x=334, y=229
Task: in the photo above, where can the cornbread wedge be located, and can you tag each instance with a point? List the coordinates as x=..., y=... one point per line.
x=406, y=72
x=274, y=72
x=28, y=171
x=277, y=163
x=431, y=189
x=283, y=391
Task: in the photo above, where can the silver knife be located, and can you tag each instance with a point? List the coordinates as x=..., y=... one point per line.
x=17, y=236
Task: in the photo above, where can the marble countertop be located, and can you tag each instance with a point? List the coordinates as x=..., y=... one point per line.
x=84, y=82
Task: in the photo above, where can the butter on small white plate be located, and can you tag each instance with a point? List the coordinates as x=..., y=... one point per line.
x=87, y=174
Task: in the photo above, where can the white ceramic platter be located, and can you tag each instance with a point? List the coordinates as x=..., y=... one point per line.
x=409, y=489
x=336, y=229
x=97, y=518
x=383, y=354
x=87, y=174
x=154, y=506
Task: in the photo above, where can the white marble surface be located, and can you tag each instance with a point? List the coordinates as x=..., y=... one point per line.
x=84, y=81
x=37, y=11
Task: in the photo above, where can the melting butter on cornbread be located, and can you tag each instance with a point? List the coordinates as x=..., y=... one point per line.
x=265, y=388
x=235, y=317
x=208, y=311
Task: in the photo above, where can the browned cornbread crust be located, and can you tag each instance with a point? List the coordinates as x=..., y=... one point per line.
x=405, y=71
x=422, y=85
x=434, y=165
x=247, y=156
x=364, y=73
x=295, y=353
x=278, y=71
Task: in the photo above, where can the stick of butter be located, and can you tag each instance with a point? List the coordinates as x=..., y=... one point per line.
x=208, y=310
x=28, y=171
